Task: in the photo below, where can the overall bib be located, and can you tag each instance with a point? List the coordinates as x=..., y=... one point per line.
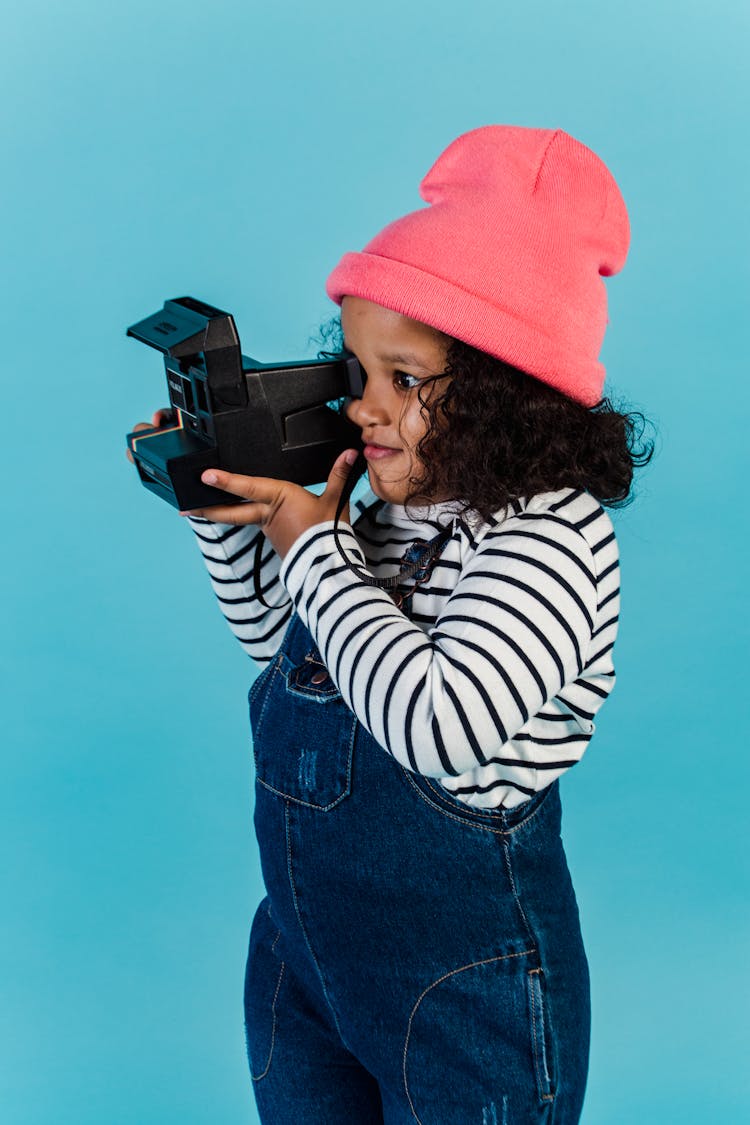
x=414, y=960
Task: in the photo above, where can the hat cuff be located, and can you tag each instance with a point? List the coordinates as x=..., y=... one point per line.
x=474, y=320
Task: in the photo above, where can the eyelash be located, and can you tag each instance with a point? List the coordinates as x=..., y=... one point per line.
x=399, y=375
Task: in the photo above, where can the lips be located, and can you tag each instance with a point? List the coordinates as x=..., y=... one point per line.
x=375, y=452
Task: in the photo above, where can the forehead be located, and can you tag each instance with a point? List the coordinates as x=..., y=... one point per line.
x=388, y=334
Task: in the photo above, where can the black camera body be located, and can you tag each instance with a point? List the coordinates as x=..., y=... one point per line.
x=234, y=413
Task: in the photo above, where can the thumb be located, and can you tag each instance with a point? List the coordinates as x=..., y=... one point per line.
x=339, y=474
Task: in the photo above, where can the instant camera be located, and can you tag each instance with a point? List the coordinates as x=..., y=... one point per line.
x=231, y=412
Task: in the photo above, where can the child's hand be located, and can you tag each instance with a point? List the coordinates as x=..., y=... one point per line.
x=284, y=510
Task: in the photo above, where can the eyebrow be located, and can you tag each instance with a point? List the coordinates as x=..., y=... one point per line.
x=400, y=357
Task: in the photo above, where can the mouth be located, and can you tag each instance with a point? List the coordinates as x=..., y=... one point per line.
x=374, y=452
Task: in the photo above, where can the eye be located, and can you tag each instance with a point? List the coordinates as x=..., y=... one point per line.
x=405, y=381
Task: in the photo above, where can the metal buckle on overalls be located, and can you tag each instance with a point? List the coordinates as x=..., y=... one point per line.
x=320, y=677
x=418, y=552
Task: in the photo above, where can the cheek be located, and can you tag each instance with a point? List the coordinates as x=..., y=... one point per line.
x=414, y=425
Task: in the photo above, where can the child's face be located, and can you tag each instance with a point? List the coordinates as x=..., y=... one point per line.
x=397, y=353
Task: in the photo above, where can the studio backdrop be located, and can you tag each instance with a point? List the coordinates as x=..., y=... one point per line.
x=234, y=152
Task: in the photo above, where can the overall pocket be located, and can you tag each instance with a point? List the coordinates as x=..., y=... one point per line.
x=303, y=732
x=498, y=820
x=477, y=1045
x=541, y=1035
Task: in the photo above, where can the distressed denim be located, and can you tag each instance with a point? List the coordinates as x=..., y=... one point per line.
x=414, y=960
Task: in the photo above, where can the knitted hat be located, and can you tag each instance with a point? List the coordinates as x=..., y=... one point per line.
x=509, y=257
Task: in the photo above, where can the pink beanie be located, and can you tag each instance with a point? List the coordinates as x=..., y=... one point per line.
x=509, y=256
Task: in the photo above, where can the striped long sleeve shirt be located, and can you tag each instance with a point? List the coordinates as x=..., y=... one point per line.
x=492, y=682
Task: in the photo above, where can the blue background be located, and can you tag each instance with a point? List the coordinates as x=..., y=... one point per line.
x=234, y=151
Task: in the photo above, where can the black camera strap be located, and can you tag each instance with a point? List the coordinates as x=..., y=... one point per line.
x=417, y=562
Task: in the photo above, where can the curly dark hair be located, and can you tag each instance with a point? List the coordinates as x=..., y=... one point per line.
x=496, y=434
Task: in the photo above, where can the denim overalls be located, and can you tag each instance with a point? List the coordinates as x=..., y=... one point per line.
x=415, y=960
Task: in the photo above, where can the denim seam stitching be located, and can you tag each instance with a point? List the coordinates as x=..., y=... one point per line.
x=302, y=925
x=452, y=816
x=541, y=1084
x=256, y=684
x=277, y=668
x=435, y=983
x=311, y=693
x=299, y=801
x=257, y=1078
x=468, y=821
x=516, y=896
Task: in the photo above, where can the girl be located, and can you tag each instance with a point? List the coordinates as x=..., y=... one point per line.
x=432, y=668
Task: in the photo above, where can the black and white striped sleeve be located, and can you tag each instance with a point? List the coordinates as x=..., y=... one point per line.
x=516, y=628
x=229, y=554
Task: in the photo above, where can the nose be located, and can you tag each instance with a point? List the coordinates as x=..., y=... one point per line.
x=369, y=410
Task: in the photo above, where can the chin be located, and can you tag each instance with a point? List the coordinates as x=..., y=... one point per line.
x=392, y=493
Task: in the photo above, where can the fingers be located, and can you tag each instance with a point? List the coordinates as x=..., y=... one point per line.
x=238, y=514
x=261, y=494
x=263, y=490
